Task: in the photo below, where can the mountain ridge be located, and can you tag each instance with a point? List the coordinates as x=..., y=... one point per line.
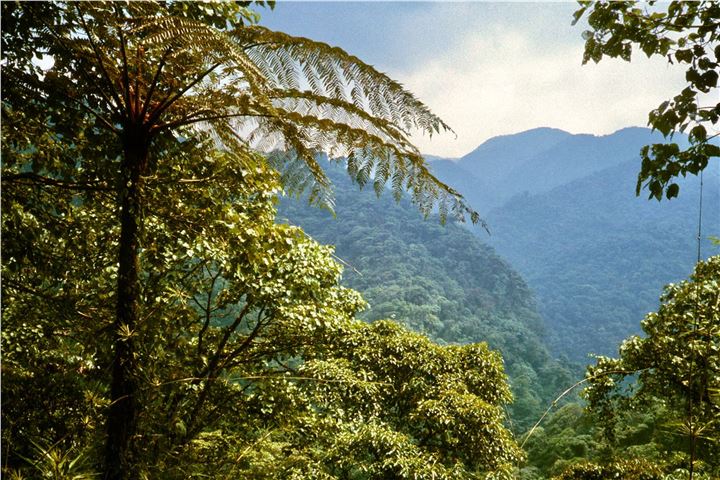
x=567, y=218
x=537, y=160
x=597, y=256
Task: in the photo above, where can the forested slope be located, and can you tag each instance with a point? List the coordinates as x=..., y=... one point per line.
x=597, y=255
x=437, y=279
x=566, y=217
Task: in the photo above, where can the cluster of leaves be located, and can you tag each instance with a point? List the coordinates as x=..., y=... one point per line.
x=632, y=469
x=636, y=469
x=686, y=33
x=565, y=437
x=388, y=403
x=251, y=357
x=676, y=364
x=439, y=280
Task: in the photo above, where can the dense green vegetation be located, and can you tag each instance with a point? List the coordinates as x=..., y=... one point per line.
x=653, y=411
x=420, y=266
x=158, y=319
x=440, y=280
x=161, y=321
x=572, y=439
x=677, y=362
x=315, y=395
x=596, y=256
x=593, y=253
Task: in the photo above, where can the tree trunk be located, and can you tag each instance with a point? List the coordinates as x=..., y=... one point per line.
x=120, y=463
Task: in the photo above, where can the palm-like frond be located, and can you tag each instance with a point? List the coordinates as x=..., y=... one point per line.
x=353, y=106
x=160, y=72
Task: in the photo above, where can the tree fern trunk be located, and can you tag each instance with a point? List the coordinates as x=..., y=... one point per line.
x=120, y=463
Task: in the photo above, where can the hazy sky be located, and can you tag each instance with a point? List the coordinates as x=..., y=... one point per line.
x=488, y=68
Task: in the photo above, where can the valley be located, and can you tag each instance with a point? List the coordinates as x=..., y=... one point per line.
x=573, y=263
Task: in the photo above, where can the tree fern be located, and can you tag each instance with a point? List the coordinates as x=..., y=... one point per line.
x=137, y=76
x=167, y=71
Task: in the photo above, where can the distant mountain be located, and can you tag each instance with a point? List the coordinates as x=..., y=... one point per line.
x=598, y=256
x=483, y=175
x=440, y=280
x=478, y=193
x=537, y=161
x=562, y=209
x=496, y=157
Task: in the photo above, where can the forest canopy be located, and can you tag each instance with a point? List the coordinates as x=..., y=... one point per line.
x=160, y=321
x=154, y=314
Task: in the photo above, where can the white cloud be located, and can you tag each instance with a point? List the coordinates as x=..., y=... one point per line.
x=490, y=68
x=501, y=81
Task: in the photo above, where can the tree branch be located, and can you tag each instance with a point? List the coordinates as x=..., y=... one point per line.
x=208, y=311
x=187, y=120
x=102, y=119
x=169, y=100
x=125, y=73
x=246, y=343
x=212, y=369
x=153, y=85
x=35, y=179
x=100, y=62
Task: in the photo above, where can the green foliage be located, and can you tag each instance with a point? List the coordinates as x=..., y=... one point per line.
x=597, y=274
x=566, y=436
x=439, y=280
x=143, y=278
x=686, y=33
x=253, y=368
x=636, y=469
x=638, y=403
x=572, y=435
x=388, y=403
x=676, y=363
x=51, y=462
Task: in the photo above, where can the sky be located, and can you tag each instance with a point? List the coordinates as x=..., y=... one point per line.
x=488, y=68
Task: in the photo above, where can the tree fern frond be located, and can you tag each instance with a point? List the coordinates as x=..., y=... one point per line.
x=398, y=180
x=342, y=111
x=297, y=179
x=443, y=206
x=352, y=165
x=273, y=90
x=358, y=97
x=392, y=102
x=382, y=173
x=349, y=105
x=322, y=196
x=312, y=78
x=214, y=44
x=365, y=172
